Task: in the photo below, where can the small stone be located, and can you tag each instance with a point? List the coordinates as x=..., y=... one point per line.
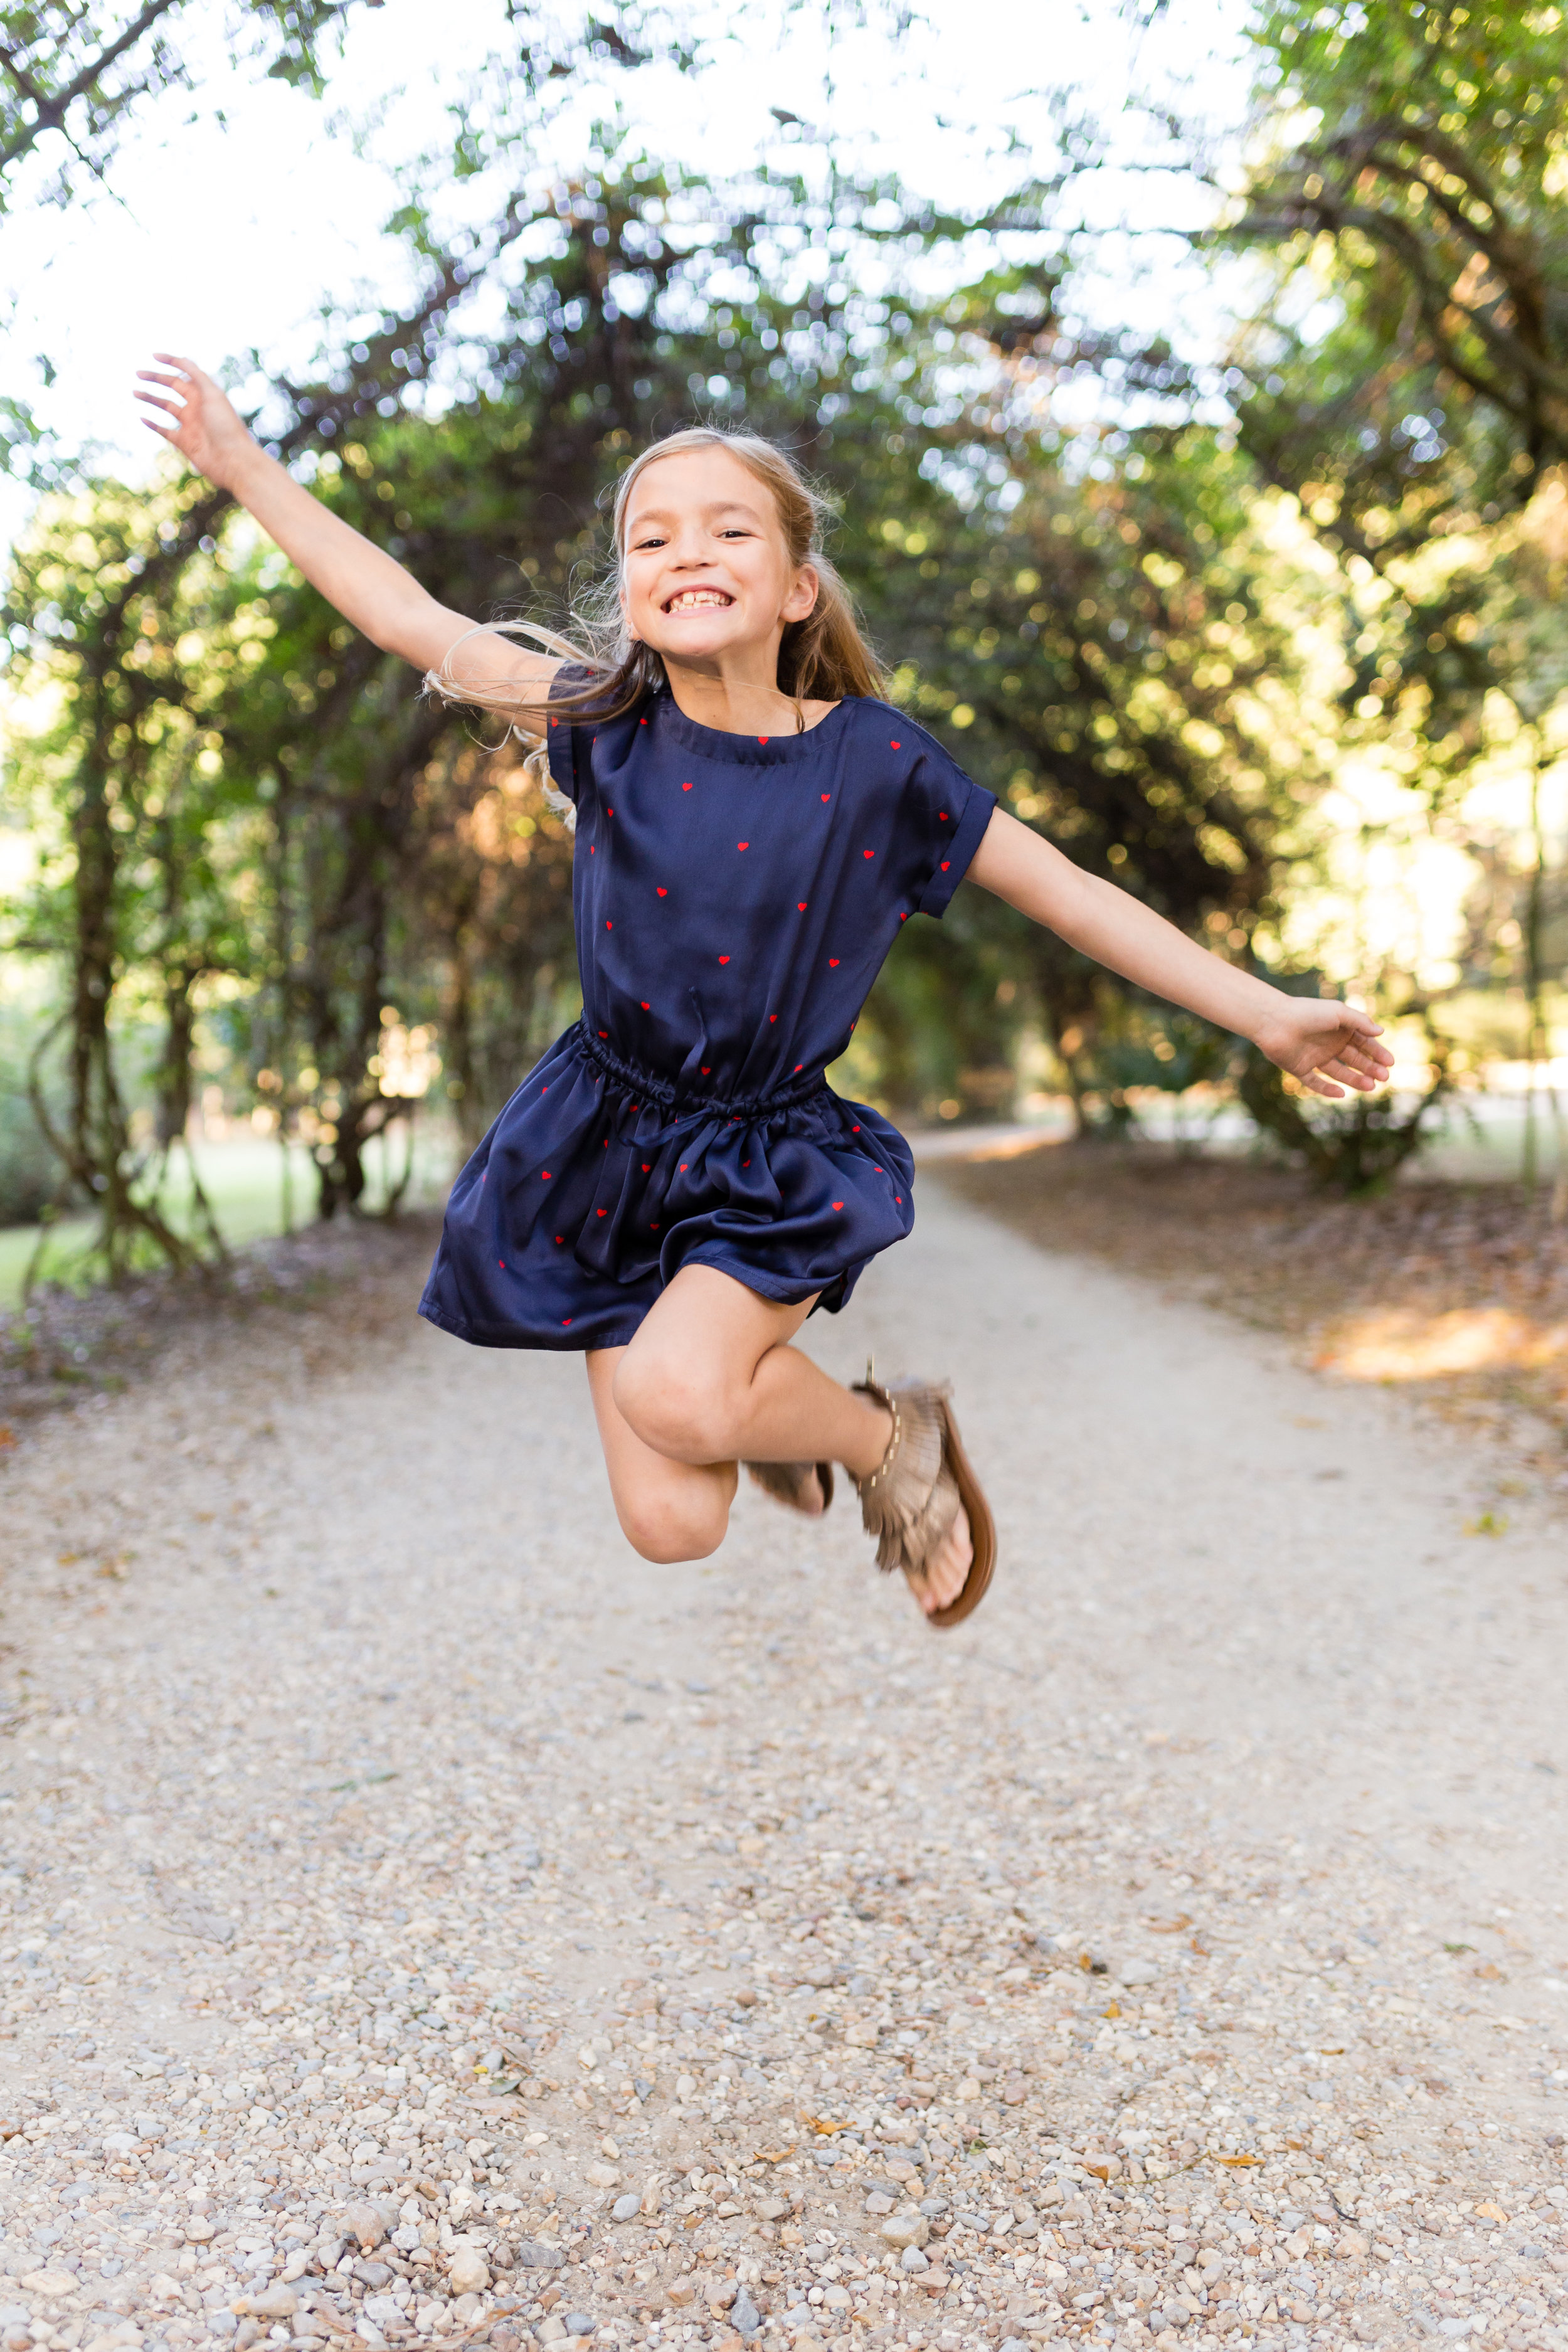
x=361, y=2221
x=625, y=2208
x=550, y=2331
x=1350, y=2244
x=534, y=2254
x=911, y=2259
x=198, y=2229
x=601, y=2176
x=1134, y=1972
x=908, y=2229
x=579, y=2323
x=744, y=2317
x=54, y=2283
x=1013, y=2344
x=771, y=2209
x=278, y=2302
x=685, y=2087
x=468, y=2273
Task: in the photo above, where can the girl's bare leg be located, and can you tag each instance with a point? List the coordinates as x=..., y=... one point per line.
x=710, y=1380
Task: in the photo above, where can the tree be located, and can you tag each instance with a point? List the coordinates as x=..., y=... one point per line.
x=1410, y=362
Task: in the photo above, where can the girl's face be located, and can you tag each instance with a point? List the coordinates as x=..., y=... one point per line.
x=704, y=569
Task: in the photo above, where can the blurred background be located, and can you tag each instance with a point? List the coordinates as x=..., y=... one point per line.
x=1191, y=383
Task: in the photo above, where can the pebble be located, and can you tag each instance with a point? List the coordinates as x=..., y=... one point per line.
x=468, y=2273
x=889, y=1997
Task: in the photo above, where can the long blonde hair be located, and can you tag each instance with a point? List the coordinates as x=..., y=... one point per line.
x=822, y=658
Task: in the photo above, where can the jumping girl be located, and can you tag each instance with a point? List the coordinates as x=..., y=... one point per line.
x=676, y=1187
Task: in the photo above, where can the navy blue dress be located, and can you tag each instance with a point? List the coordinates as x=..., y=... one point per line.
x=735, y=897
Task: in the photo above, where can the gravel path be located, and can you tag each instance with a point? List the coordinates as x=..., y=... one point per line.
x=423, y=1921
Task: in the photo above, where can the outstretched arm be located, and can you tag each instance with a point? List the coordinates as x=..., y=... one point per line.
x=1316, y=1040
x=364, y=583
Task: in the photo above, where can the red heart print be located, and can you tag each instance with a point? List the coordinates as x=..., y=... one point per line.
x=839, y=1204
x=686, y=788
x=868, y=853
x=833, y=963
x=609, y=812
x=645, y=1005
x=723, y=958
x=544, y=1175
x=945, y=864
x=592, y=851
x=854, y=1130
x=798, y=1067
x=745, y=1163
x=609, y=926
x=943, y=813
x=501, y=1263
x=604, y=1213
x=683, y=1168
x=800, y=906
x=558, y=1239
x=659, y=891
x=653, y=1227
x=895, y=747
x=773, y=1016
x=646, y=1166
x=903, y=918
x=566, y=1322
x=743, y=844
x=707, y=1068
x=761, y=738
x=603, y=1033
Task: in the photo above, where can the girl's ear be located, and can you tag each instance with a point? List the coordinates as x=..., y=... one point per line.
x=802, y=598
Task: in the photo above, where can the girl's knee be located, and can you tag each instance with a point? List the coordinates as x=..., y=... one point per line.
x=666, y=1533
x=684, y=1415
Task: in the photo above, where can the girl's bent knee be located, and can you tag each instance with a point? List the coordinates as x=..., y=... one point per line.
x=666, y=1537
x=687, y=1419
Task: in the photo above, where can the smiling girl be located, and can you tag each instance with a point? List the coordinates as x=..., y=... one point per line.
x=676, y=1187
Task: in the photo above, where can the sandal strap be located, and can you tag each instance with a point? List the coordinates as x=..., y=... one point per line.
x=910, y=1500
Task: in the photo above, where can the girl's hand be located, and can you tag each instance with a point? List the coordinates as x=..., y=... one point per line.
x=207, y=430
x=1319, y=1041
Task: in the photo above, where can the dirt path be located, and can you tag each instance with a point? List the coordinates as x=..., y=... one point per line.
x=425, y=1921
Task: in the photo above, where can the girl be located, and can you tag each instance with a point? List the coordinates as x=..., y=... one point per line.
x=676, y=1188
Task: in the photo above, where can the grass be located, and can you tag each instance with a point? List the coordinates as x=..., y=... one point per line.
x=244, y=1180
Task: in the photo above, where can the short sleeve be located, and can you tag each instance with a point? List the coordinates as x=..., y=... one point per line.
x=563, y=741
x=944, y=815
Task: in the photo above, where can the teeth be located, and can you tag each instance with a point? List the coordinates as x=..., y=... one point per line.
x=691, y=598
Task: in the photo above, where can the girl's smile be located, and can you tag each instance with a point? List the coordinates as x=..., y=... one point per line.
x=706, y=579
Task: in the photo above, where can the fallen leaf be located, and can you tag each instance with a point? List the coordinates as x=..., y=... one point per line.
x=1234, y=2160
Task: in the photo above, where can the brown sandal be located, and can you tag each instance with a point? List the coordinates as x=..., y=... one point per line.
x=785, y=1482
x=912, y=1497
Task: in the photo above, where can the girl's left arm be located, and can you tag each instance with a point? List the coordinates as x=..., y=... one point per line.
x=1316, y=1039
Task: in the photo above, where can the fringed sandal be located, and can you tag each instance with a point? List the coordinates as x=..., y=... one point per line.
x=912, y=1497
x=785, y=1482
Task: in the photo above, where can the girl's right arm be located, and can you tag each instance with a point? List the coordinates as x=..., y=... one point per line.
x=366, y=586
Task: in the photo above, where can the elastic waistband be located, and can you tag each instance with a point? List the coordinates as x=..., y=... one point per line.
x=649, y=1086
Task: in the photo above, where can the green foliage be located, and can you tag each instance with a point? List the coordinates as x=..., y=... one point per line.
x=1410, y=366
x=79, y=73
